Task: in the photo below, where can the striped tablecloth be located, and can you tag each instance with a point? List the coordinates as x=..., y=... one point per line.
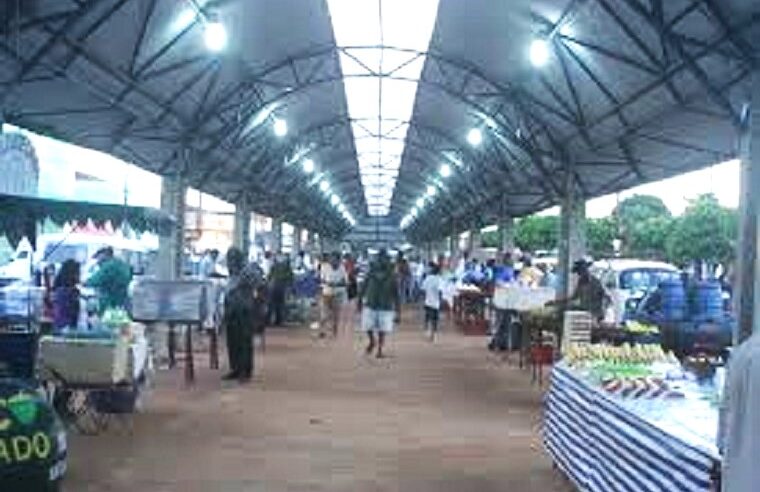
x=603, y=446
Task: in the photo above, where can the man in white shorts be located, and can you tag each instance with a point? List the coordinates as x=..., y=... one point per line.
x=378, y=299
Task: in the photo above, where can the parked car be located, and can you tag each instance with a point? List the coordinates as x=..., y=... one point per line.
x=624, y=279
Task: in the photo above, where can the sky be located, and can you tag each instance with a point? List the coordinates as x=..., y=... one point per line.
x=722, y=179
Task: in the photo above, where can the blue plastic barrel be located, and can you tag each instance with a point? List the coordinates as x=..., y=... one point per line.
x=708, y=301
x=673, y=300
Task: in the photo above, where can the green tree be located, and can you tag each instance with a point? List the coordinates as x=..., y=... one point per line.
x=537, y=232
x=599, y=236
x=490, y=239
x=633, y=215
x=649, y=238
x=705, y=232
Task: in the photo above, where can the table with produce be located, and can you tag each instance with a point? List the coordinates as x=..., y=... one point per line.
x=631, y=418
x=95, y=372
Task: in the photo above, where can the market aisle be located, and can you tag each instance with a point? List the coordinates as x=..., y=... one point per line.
x=320, y=416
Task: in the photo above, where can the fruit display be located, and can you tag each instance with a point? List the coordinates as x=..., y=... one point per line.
x=641, y=328
x=587, y=354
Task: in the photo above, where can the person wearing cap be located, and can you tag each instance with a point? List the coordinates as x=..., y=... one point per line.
x=111, y=280
x=589, y=295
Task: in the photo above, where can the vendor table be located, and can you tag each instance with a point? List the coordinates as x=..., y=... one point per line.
x=603, y=442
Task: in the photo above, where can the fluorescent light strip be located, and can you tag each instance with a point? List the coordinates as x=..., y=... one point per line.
x=379, y=106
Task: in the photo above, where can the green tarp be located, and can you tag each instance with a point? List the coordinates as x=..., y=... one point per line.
x=19, y=216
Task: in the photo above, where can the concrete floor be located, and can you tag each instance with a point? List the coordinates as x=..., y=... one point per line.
x=321, y=416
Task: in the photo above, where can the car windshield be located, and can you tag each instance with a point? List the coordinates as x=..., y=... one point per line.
x=645, y=278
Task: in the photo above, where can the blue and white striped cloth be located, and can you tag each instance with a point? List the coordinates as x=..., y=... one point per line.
x=603, y=447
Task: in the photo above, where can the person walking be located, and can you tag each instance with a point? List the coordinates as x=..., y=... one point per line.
x=334, y=281
x=243, y=315
x=432, y=286
x=378, y=296
x=280, y=279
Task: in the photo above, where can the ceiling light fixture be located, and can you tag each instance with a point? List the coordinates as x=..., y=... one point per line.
x=445, y=170
x=280, y=127
x=420, y=202
x=334, y=200
x=475, y=137
x=431, y=191
x=308, y=166
x=324, y=185
x=215, y=35
x=539, y=52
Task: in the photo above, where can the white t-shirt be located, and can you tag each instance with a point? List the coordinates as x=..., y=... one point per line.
x=433, y=286
x=334, y=280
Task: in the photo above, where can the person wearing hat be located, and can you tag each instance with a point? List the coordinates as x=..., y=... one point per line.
x=111, y=280
x=589, y=294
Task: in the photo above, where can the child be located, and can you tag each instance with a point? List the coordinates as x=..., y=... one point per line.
x=432, y=287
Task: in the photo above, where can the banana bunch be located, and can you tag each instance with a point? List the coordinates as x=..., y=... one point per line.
x=643, y=328
x=577, y=354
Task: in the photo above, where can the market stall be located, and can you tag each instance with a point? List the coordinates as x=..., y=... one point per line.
x=470, y=310
x=631, y=419
x=95, y=373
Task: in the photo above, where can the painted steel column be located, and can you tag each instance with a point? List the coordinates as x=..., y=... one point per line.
x=171, y=247
x=276, y=236
x=572, y=242
x=241, y=235
x=474, y=240
x=297, y=231
x=747, y=288
x=507, y=233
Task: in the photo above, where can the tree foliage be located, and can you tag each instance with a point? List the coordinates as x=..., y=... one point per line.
x=537, y=232
x=706, y=231
x=600, y=234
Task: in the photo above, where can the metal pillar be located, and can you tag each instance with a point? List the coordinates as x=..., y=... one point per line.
x=297, y=246
x=507, y=233
x=747, y=288
x=171, y=247
x=276, y=236
x=572, y=243
x=474, y=240
x=241, y=236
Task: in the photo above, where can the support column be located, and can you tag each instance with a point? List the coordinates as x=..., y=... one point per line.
x=297, y=246
x=507, y=233
x=171, y=247
x=474, y=240
x=276, y=236
x=572, y=242
x=747, y=281
x=241, y=234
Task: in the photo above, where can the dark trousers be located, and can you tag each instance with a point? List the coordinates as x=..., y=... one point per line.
x=276, y=306
x=431, y=318
x=240, y=349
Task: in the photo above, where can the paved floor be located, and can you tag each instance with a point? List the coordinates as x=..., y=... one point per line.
x=321, y=416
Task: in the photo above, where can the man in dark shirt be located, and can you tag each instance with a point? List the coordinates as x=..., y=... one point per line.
x=589, y=295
